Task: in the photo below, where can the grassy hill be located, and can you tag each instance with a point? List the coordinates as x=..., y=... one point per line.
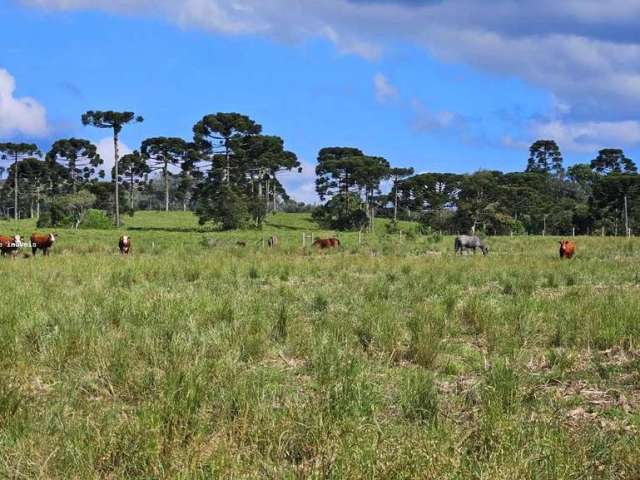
x=197, y=358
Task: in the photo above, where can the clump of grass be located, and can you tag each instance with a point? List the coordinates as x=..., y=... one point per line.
x=425, y=336
x=419, y=397
x=501, y=387
x=280, y=331
x=320, y=303
x=253, y=273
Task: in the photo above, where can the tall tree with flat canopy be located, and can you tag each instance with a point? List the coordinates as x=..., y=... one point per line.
x=397, y=174
x=371, y=172
x=262, y=157
x=162, y=152
x=16, y=152
x=133, y=171
x=545, y=157
x=79, y=156
x=336, y=171
x=613, y=160
x=34, y=175
x=114, y=121
x=344, y=174
x=213, y=136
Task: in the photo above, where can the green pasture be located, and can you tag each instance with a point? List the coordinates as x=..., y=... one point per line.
x=392, y=358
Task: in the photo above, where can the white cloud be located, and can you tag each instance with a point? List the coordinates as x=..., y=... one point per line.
x=589, y=136
x=384, y=91
x=106, y=152
x=586, y=52
x=425, y=120
x=301, y=186
x=19, y=115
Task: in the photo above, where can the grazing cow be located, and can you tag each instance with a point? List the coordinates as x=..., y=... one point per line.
x=10, y=245
x=467, y=242
x=273, y=241
x=567, y=248
x=42, y=242
x=326, y=243
x=125, y=244
x=241, y=244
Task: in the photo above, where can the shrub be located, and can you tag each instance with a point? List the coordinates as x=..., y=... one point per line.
x=96, y=220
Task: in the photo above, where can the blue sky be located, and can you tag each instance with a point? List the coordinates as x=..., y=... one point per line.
x=440, y=85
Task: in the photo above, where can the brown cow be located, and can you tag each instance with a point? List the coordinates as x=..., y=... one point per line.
x=10, y=245
x=125, y=244
x=42, y=242
x=326, y=243
x=567, y=248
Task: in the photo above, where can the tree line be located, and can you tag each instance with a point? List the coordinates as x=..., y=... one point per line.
x=602, y=196
x=227, y=173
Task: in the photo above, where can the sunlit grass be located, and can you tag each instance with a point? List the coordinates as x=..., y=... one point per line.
x=197, y=358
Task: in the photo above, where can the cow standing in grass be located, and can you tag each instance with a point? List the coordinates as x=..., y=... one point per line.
x=468, y=242
x=567, y=249
x=10, y=245
x=323, y=243
x=273, y=242
x=125, y=244
x=42, y=242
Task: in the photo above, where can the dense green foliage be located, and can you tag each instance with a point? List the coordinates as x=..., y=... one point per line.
x=229, y=175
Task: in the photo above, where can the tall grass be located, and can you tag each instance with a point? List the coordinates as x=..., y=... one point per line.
x=391, y=359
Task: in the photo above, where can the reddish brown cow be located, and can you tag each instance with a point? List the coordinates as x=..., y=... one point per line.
x=125, y=244
x=42, y=242
x=567, y=248
x=326, y=243
x=10, y=245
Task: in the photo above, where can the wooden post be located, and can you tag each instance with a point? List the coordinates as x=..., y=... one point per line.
x=574, y=231
x=603, y=231
x=304, y=239
x=359, y=237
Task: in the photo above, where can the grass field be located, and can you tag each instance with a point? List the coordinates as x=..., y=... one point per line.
x=196, y=358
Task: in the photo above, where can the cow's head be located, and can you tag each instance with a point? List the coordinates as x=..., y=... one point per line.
x=52, y=237
x=485, y=249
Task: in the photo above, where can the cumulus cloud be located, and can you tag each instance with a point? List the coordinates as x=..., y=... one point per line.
x=19, y=115
x=301, y=186
x=589, y=136
x=586, y=52
x=106, y=151
x=384, y=91
x=426, y=120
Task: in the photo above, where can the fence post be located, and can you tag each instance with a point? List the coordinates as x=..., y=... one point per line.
x=574, y=231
